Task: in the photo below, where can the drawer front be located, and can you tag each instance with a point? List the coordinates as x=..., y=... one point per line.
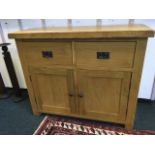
x=105, y=54
x=47, y=53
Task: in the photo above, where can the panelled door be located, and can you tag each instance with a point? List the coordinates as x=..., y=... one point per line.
x=54, y=90
x=103, y=94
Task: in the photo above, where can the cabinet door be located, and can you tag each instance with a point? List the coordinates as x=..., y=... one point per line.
x=103, y=95
x=54, y=90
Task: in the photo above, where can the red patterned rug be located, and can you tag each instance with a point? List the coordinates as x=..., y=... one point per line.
x=58, y=125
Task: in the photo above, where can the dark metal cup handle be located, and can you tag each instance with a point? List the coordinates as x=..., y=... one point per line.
x=102, y=55
x=47, y=54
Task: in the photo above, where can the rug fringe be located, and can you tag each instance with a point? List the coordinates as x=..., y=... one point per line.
x=40, y=125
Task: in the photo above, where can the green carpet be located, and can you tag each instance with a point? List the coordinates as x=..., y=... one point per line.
x=17, y=118
x=145, y=116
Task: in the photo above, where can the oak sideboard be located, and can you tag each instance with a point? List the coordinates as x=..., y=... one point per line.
x=85, y=72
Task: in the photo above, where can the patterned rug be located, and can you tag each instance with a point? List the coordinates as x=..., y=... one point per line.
x=58, y=125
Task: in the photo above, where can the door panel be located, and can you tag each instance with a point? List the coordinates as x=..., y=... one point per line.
x=105, y=94
x=52, y=89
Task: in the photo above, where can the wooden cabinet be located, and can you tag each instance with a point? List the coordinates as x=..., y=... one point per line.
x=86, y=72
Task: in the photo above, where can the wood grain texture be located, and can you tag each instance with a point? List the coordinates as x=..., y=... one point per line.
x=75, y=83
x=61, y=53
x=114, y=31
x=24, y=64
x=105, y=94
x=135, y=81
x=53, y=89
x=121, y=54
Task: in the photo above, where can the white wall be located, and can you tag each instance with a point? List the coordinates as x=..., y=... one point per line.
x=0, y=39
x=10, y=26
x=83, y=22
x=13, y=25
x=31, y=23
x=148, y=73
x=114, y=21
x=56, y=22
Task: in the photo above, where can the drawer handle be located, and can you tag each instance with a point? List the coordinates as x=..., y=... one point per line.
x=47, y=54
x=103, y=55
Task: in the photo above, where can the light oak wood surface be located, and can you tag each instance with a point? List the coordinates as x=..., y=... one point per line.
x=74, y=81
x=120, y=54
x=118, y=31
x=61, y=53
x=105, y=94
x=54, y=89
x=135, y=82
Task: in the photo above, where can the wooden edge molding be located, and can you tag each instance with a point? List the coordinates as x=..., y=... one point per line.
x=119, y=31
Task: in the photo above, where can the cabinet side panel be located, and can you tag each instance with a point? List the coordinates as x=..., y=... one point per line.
x=135, y=81
x=21, y=49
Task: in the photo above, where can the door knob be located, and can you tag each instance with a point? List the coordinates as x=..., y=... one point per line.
x=81, y=95
x=71, y=94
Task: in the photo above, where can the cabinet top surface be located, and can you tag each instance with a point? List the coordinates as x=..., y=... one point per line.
x=119, y=31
